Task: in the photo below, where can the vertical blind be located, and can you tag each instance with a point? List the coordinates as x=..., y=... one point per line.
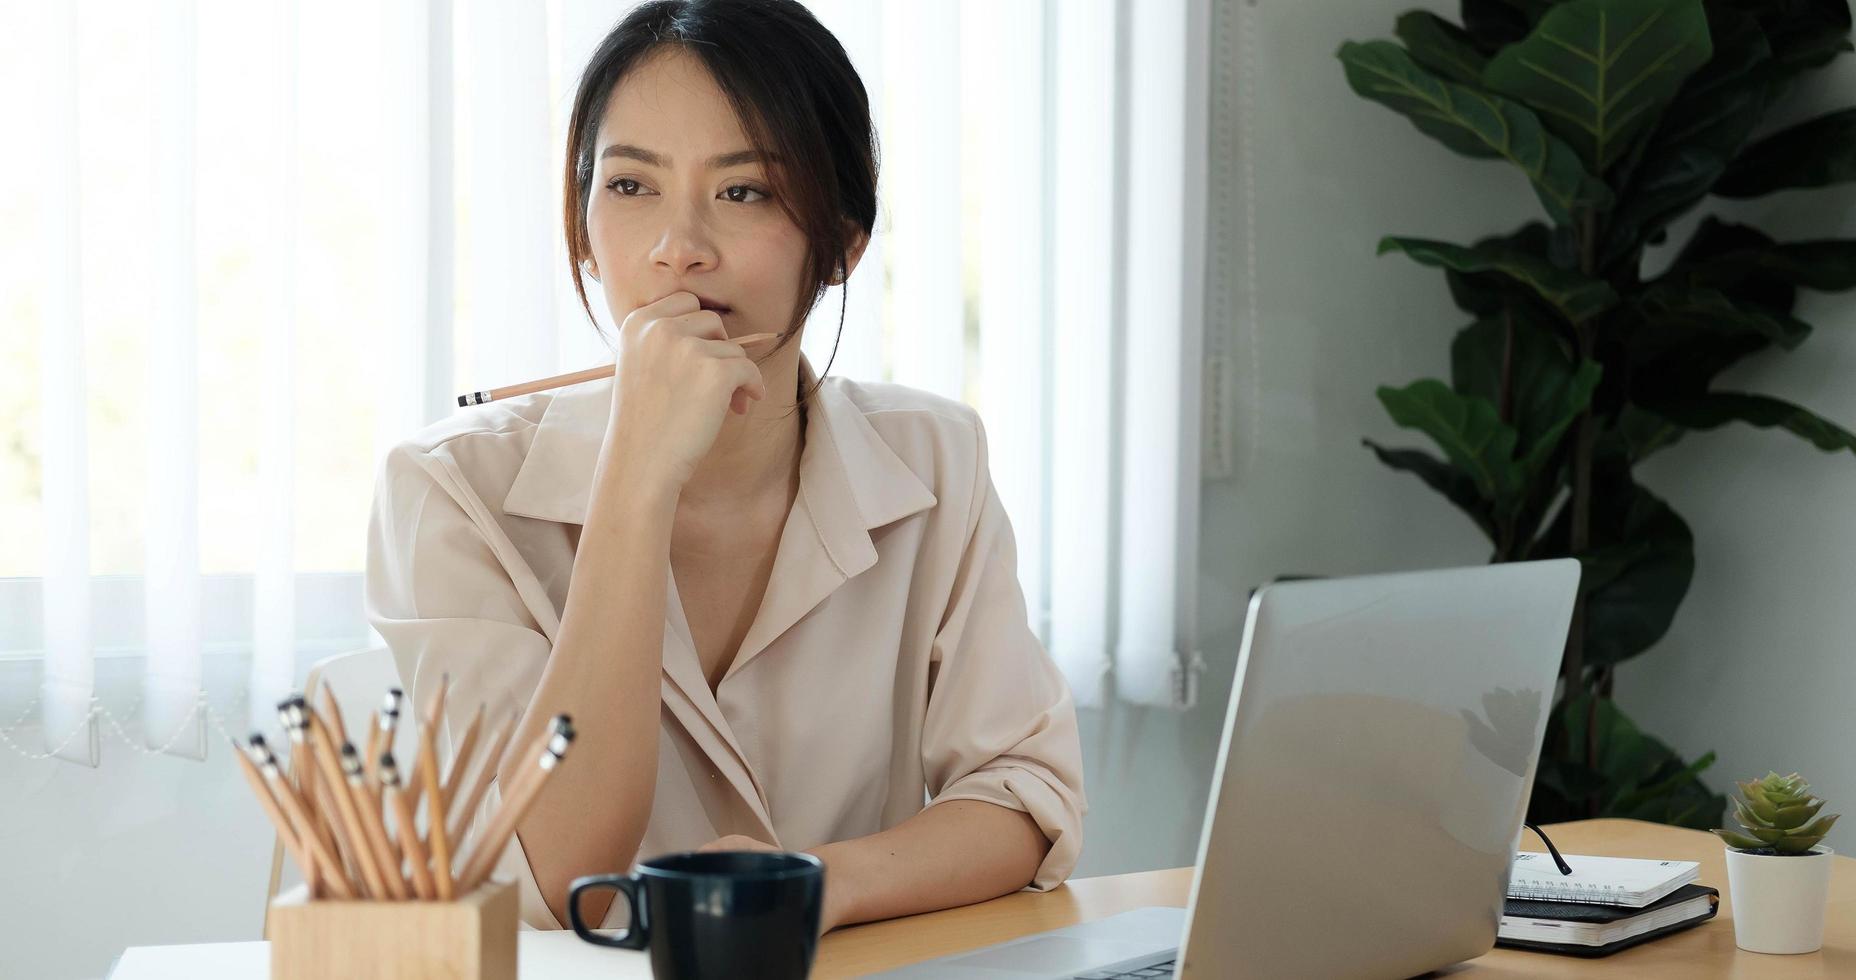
x=344, y=214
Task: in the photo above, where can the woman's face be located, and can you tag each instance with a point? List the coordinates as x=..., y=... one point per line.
x=680, y=202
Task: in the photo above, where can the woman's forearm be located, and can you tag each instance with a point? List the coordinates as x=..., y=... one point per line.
x=605, y=671
x=950, y=854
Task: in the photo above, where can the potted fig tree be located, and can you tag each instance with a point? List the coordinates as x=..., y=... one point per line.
x=1778, y=872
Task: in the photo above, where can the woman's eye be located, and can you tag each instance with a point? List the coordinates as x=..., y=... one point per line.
x=736, y=193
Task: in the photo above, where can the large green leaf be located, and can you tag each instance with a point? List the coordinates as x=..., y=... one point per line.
x=1640, y=433
x=1601, y=70
x=1487, y=294
x=1702, y=309
x=1574, y=399
x=1456, y=486
x=1698, y=135
x=1708, y=260
x=1495, y=24
x=1575, y=296
x=1717, y=408
x=1828, y=265
x=1547, y=392
x=1474, y=123
x=1441, y=46
x=1815, y=153
x=1638, y=564
x=1680, y=356
x=1467, y=429
x=1633, y=775
x=1804, y=33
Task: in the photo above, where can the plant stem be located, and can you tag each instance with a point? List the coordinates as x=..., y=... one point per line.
x=1585, y=438
x=1507, y=385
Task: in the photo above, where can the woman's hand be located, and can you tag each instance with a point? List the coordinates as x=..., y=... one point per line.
x=736, y=842
x=677, y=372
x=833, y=912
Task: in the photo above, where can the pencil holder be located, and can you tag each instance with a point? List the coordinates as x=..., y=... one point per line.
x=470, y=938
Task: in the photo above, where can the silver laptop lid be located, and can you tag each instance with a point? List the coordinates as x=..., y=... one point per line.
x=1379, y=745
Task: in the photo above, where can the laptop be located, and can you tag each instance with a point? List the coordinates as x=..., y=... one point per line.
x=1379, y=746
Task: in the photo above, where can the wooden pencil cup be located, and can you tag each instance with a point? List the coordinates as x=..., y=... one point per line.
x=471, y=938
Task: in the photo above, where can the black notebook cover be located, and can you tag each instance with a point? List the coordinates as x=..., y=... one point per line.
x=1522, y=908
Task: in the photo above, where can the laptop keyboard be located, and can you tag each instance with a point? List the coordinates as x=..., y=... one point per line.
x=1144, y=973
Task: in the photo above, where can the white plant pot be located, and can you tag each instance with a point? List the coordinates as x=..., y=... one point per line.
x=1778, y=899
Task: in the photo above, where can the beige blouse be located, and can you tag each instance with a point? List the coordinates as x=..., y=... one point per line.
x=890, y=664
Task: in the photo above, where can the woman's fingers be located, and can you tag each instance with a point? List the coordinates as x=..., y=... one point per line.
x=741, y=374
x=702, y=323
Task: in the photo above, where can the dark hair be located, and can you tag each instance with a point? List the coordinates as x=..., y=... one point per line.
x=797, y=97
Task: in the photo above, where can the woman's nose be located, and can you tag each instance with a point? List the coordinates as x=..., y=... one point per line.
x=684, y=245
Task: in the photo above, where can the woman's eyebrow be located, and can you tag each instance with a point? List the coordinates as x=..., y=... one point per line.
x=645, y=156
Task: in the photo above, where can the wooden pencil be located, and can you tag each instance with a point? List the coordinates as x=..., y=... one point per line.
x=299, y=851
x=332, y=714
x=433, y=715
x=590, y=374
x=537, y=747
x=460, y=760
x=502, y=826
x=303, y=768
x=331, y=873
x=328, y=754
x=408, y=828
x=389, y=725
x=435, y=814
x=376, y=833
x=463, y=816
x=372, y=745
x=317, y=806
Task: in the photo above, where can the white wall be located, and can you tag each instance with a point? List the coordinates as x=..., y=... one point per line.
x=148, y=849
x=1761, y=663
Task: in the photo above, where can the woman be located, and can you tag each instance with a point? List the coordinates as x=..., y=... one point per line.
x=782, y=611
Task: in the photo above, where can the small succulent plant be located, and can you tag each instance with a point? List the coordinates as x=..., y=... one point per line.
x=1777, y=815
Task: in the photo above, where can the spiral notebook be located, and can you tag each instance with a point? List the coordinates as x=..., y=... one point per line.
x=1630, y=882
x=1599, y=930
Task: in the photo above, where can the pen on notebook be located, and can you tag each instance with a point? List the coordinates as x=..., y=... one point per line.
x=562, y=380
x=503, y=825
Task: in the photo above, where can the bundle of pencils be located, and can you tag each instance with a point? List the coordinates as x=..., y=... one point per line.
x=352, y=823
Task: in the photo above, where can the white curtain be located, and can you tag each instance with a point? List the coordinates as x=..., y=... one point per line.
x=313, y=224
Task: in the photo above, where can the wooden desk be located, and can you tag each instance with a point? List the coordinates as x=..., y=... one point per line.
x=1707, y=950
x=1704, y=951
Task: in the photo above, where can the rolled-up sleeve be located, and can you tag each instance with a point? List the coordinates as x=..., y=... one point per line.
x=440, y=592
x=1000, y=724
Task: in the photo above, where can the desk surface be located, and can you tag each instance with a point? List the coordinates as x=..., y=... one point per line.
x=1705, y=951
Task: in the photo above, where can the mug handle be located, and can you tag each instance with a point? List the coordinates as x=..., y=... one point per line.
x=636, y=935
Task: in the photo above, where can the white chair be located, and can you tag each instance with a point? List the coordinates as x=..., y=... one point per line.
x=359, y=680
